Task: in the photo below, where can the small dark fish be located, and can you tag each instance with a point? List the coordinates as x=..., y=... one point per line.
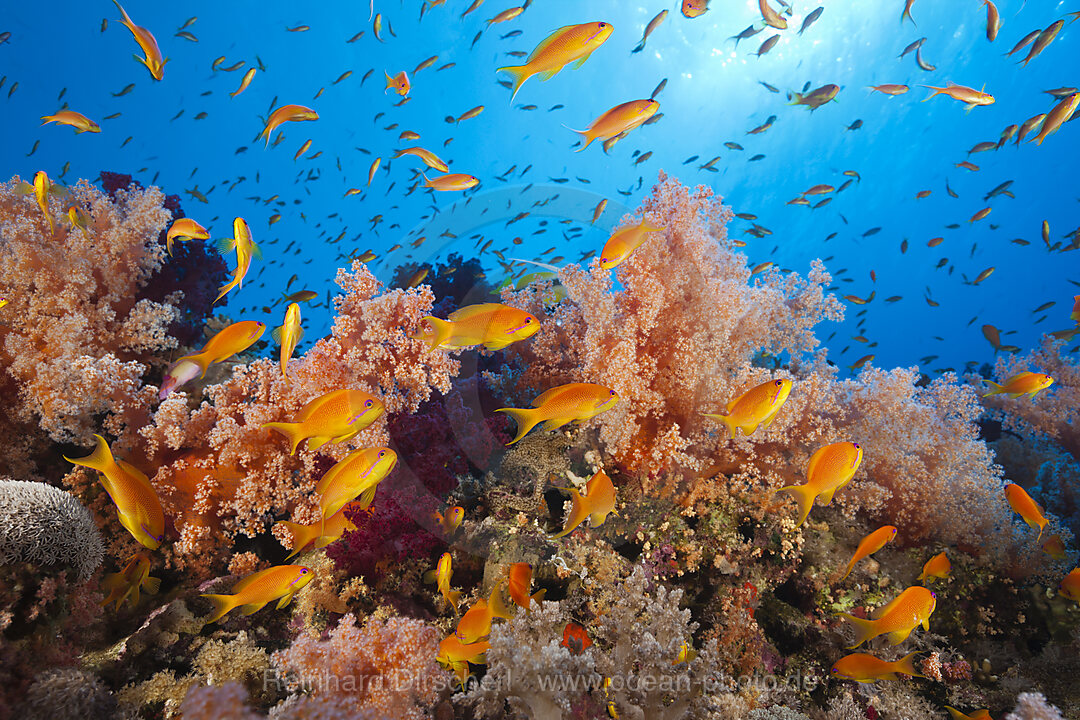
x=871, y=231
x=476, y=39
x=747, y=33
x=125, y=91
x=810, y=19
x=556, y=107
x=855, y=125
x=769, y=87
x=912, y=47
x=1024, y=42
x=922, y=63
x=768, y=45
x=687, y=161
x=733, y=145
x=756, y=157
x=643, y=158
x=511, y=34
x=659, y=89
x=952, y=193
x=33, y=149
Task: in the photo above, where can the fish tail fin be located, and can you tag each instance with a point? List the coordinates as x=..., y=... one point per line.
x=292, y=431
x=906, y=665
x=301, y=536
x=151, y=585
x=520, y=73
x=537, y=596
x=937, y=91
x=578, y=513
x=526, y=419
x=441, y=330
x=726, y=420
x=847, y=569
x=803, y=498
x=1042, y=526
x=224, y=289
x=795, y=97
x=454, y=597
x=496, y=604
x=222, y=605
x=864, y=629
x=101, y=459
x=997, y=389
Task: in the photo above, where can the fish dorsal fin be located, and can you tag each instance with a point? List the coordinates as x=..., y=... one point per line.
x=548, y=42
x=471, y=311
x=136, y=473
x=548, y=395
x=885, y=609
x=249, y=581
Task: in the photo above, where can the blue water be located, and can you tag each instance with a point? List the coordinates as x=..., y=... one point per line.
x=713, y=95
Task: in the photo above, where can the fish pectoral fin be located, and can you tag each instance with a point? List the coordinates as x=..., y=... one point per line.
x=284, y=601
x=548, y=74
x=251, y=608
x=898, y=636
x=368, y=496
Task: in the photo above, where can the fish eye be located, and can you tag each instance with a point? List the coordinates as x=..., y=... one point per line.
x=304, y=571
x=382, y=453
x=856, y=445
x=603, y=25
x=779, y=383
x=528, y=320
x=612, y=393
x=933, y=594
x=836, y=670
x=367, y=403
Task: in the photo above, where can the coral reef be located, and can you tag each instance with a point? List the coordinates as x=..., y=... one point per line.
x=47, y=527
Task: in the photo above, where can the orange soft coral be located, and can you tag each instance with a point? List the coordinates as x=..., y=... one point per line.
x=679, y=338
x=74, y=339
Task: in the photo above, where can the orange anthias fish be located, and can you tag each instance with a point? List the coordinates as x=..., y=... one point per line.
x=937, y=567
x=619, y=119
x=757, y=406
x=575, y=639
x=1062, y=112
x=335, y=417
x=694, y=8
x=124, y=585
x=1054, y=546
x=1070, y=586
x=152, y=59
x=185, y=229
x=1025, y=383
x=830, y=469
x=358, y=474
x=321, y=532
x=596, y=504
x=519, y=583
x=625, y=241
x=80, y=122
x=449, y=521
x=492, y=325
x=1027, y=508
x=229, y=341
x=288, y=335
x=441, y=575
x=246, y=249
x=969, y=96
x=284, y=114
x=870, y=545
x=137, y=504
x=911, y=608
x=454, y=182
x=1074, y=315
x=573, y=43
x=864, y=668
x=430, y=159
x=562, y=405
x=475, y=624
x=770, y=16
x=993, y=20
x=279, y=583
x=816, y=98
x=975, y=715
x=455, y=656
x=398, y=83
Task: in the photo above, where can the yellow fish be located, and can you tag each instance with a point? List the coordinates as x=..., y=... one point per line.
x=475, y=624
x=937, y=567
x=1070, y=586
x=1054, y=546
x=284, y=114
x=184, y=229
x=244, y=82
x=623, y=242
x=1025, y=383
x=1027, y=508
x=430, y=159
x=321, y=532
x=227, y=342
x=449, y=521
x=358, y=474
x=124, y=585
x=864, y=668
x=492, y=325
x=451, y=183
x=252, y=593
x=596, y=503
x=969, y=96
x=335, y=417
x=399, y=83
x=757, y=406
x=137, y=504
x=455, y=656
x=830, y=469
x=246, y=249
x=153, y=60
x=976, y=715
x=619, y=119
x=573, y=43
x=519, y=583
x=288, y=335
x=80, y=122
x=442, y=574
x=911, y=608
x=561, y=405
x=870, y=545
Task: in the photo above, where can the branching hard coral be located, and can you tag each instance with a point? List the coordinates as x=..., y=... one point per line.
x=76, y=338
x=384, y=666
x=46, y=526
x=1054, y=412
x=221, y=473
x=679, y=338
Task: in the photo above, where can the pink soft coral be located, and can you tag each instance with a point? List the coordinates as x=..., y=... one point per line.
x=386, y=667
